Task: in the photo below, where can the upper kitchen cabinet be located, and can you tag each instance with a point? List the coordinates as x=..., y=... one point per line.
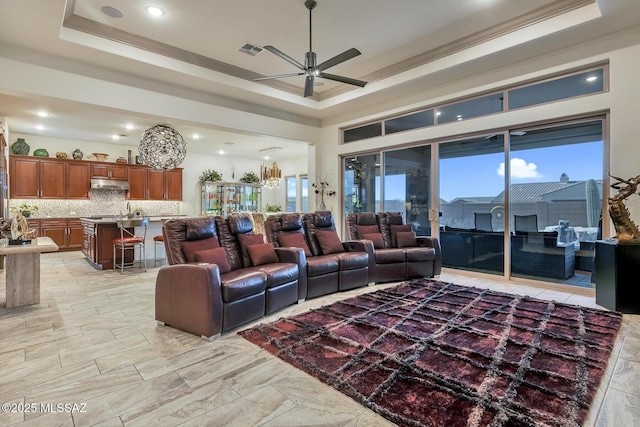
x=24, y=178
x=165, y=185
x=33, y=178
x=47, y=178
x=109, y=171
x=173, y=184
x=137, y=183
x=78, y=181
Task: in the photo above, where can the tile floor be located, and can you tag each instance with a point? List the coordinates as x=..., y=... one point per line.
x=92, y=342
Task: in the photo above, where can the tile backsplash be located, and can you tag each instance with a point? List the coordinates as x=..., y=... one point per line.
x=102, y=202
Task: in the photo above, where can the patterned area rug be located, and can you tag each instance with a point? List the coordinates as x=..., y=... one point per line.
x=429, y=353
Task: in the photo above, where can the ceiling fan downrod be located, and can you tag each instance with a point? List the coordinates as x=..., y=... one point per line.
x=310, y=4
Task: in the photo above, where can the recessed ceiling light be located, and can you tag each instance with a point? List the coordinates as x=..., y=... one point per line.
x=42, y=113
x=129, y=126
x=155, y=11
x=221, y=152
x=592, y=78
x=196, y=136
x=112, y=11
x=40, y=127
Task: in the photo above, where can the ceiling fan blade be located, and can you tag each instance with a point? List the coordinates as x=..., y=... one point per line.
x=341, y=79
x=308, y=85
x=278, y=76
x=348, y=54
x=285, y=57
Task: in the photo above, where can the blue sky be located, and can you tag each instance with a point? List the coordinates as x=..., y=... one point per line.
x=484, y=175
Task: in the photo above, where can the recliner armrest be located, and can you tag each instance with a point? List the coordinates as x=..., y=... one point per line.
x=296, y=256
x=432, y=242
x=363, y=245
x=188, y=297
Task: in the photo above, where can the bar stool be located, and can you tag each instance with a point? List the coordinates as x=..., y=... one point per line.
x=129, y=240
x=157, y=240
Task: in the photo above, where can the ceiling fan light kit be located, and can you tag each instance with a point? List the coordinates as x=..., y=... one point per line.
x=310, y=69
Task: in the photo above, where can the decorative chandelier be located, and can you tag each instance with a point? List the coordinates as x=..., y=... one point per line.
x=270, y=177
x=162, y=147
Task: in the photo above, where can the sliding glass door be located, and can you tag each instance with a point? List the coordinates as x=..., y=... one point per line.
x=555, y=200
x=520, y=203
x=472, y=186
x=406, y=186
x=362, y=184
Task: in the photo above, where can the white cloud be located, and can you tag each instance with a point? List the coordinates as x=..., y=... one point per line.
x=520, y=169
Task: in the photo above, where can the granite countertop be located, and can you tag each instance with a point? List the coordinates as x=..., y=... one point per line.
x=110, y=219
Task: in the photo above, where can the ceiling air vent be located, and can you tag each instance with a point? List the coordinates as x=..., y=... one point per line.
x=250, y=49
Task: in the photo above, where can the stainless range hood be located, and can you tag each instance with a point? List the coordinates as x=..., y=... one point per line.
x=109, y=184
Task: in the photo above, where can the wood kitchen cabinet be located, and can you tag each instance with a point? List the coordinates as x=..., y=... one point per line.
x=66, y=232
x=155, y=180
x=33, y=178
x=78, y=181
x=138, y=183
x=165, y=185
x=47, y=178
x=97, y=244
x=173, y=184
x=109, y=171
x=24, y=176
x=52, y=179
x=89, y=240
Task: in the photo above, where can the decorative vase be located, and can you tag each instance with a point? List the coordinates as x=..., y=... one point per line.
x=77, y=154
x=41, y=152
x=20, y=147
x=322, y=206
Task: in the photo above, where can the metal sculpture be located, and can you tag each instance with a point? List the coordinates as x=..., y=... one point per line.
x=626, y=229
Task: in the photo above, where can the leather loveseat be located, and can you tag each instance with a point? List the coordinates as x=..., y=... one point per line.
x=221, y=275
x=329, y=264
x=397, y=252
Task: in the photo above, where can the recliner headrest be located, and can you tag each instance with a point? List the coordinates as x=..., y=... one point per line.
x=323, y=219
x=366, y=219
x=394, y=218
x=240, y=224
x=200, y=228
x=291, y=221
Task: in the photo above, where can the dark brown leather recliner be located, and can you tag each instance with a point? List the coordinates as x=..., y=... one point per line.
x=398, y=254
x=208, y=298
x=328, y=269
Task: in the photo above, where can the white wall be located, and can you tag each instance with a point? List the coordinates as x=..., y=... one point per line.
x=622, y=51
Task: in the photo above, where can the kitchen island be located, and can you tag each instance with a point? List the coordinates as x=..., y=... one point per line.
x=98, y=235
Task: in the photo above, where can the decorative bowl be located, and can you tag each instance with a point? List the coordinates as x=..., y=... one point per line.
x=101, y=157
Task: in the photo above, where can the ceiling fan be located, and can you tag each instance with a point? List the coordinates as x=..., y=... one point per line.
x=310, y=69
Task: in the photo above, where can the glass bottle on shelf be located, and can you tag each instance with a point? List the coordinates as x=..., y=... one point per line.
x=223, y=198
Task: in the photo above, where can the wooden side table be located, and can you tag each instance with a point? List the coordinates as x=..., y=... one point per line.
x=23, y=271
